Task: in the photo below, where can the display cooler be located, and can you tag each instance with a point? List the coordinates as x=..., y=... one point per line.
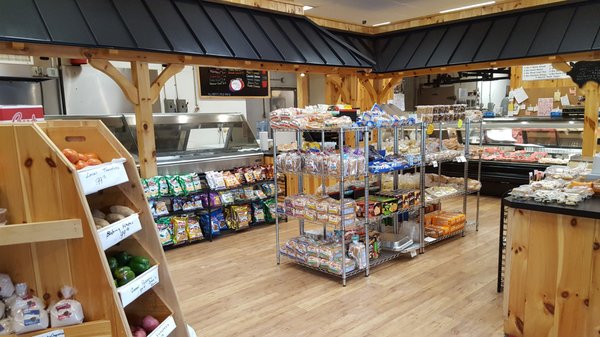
x=192, y=142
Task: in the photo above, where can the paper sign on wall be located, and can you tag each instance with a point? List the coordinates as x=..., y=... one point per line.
x=564, y=100
x=520, y=95
x=539, y=72
x=544, y=106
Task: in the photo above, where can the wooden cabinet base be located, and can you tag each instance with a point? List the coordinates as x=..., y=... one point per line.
x=88, y=329
x=553, y=275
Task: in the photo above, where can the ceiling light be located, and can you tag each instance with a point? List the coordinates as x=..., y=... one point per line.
x=307, y=8
x=302, y=74
x=468, y=7
x=381, y=24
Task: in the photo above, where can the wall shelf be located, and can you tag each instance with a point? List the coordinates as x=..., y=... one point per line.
x=40, y=231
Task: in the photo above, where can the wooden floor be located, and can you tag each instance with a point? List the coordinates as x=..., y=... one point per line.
x=233, y=287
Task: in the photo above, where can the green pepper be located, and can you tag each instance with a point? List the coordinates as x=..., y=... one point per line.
x=112, y=263
x=123, y=275
x=123, y=258
x=139, y=264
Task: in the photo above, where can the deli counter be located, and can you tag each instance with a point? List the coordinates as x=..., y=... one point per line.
x=189, y=142
x=514, y=147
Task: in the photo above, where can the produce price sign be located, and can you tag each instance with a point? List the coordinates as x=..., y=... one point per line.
x=222, y=82
x=118, y=231
x=55, y=333
x=134, y=289
x=540, y=72
x=165, y=328
x=585, y=71
x=99, y=177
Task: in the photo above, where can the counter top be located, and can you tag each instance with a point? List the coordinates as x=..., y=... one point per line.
x=587, y=209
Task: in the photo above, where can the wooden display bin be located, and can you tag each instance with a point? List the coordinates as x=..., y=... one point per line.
x=51, y=239
x=151, y=304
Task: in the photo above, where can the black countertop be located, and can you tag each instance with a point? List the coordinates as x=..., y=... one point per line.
x=589, y=208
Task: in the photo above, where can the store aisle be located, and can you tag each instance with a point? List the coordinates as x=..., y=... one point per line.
x=232, y=287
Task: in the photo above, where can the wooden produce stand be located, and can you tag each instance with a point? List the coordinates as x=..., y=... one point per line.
x=552, y=282
x=51, y=239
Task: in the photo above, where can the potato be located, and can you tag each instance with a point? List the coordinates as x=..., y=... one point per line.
x=124, y=211
x=114, y=217
x=100, y=222
x=96, y=213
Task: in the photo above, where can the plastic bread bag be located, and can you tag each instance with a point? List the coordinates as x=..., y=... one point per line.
x=6, y=327
x=28, y=311
x=66, y=311
x=6, y=286
x=2, y=309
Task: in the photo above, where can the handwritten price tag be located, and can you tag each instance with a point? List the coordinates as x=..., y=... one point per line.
x=96, y=178
x=165, y=328
x=434, y=163
x=55, y=333
x=118, y=231
x=138, y=286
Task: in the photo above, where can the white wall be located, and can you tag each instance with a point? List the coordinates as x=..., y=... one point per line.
x=316, y=89
x=493, y=91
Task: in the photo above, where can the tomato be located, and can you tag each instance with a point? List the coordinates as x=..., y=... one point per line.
x=93, y=161
x=80, y=164
x=71, y=155
x=91, y=155
x=82, y=157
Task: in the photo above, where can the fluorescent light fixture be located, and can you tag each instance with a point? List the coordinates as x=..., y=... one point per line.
x=468, y=7
x=307, y=8
x=381, y=24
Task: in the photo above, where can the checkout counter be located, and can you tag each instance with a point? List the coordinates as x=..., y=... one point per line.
x=189, y=142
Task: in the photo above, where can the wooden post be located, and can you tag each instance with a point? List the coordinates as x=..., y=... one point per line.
x=144, y=122
x=590, y=121
x=302, y=90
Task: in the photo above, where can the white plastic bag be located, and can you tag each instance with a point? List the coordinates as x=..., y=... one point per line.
x=6, y=286
x=28, y=311
x=2, y=309
x=66, y=311
x=6, y=327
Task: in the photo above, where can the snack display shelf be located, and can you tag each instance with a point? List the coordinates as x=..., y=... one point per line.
x=437, y=200
x=256, y=183
x=187, y=243
x=324, y=175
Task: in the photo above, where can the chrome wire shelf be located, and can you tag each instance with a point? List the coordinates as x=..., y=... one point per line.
x=437, y=200
x=468, y=225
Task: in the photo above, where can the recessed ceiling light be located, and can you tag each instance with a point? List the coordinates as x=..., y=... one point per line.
x=307, y=8
x=381, y=24
x=468, y=7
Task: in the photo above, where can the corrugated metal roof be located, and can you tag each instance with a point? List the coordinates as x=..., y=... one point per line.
x=188, y=27
x=555, y=30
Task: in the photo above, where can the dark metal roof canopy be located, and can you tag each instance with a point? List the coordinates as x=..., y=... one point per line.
x=187, y=27
x=555, y=30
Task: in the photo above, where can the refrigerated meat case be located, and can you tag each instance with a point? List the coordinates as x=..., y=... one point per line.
x=560, y=138
x=190, y=142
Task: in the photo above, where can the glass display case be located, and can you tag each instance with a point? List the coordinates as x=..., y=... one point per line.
x=192, y=142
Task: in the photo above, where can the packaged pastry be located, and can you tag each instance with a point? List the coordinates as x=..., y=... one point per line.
x=6, y=326
x=28, y=311
x=66, y=311
x=6, y=286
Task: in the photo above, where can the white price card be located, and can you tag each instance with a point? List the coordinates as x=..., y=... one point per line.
x=413, y=253
x=99, y=177
x=118, y=231
x=134, y=289
x=461, y=159
x=54, y=333
x=165, y=328
x=434, y=163
x=429, y=239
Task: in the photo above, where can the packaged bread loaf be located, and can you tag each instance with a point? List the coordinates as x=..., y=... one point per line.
x=66, y=311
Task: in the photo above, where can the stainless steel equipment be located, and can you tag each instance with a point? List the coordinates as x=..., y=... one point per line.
x=192, y=142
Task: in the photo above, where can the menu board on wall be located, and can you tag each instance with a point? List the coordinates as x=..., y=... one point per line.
x=539, y=72
x=223, y=82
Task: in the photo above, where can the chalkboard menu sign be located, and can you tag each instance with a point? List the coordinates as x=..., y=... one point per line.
x=223, y=82
x=585, y=71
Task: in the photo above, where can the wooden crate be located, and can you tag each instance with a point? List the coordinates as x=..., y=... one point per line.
x=61, y=246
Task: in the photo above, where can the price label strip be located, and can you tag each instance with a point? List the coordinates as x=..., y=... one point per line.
x=55, y=333
x=118, y=231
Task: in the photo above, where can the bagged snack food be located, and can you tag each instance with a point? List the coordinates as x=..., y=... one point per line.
x=145, y=188
x=179, y=229
x=152, y=186
x=161, y=208
x=188, y=204
x=175, y=185
x=197, y=200
x=230, y=180
x=165, y=231
x=227, y=197
x=187, y=181
x=6, y=286
x=193, y=228
x=28, y=311
x=66, y=311
x=163, y=185
x=196, y=181
x=177, y=204
x=270, y=209
x=258, y=213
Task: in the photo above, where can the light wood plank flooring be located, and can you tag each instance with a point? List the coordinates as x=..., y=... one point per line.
x=233, y=287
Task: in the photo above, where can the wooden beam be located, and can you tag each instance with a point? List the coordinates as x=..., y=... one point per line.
x=37, y=49
x=590, y=120
x=391, y=85
x=144, y=123
x=368, y=85
x=302, y=90
x=161, y=80
x=123, y=82
x=562, y=66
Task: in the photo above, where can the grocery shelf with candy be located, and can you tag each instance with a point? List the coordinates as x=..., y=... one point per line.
x=380, y=206
x=194, y=207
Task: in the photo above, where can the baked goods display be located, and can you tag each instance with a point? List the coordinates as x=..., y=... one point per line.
x=442, y=223
x=322, y=163
x=377, y=118
x=306, y=119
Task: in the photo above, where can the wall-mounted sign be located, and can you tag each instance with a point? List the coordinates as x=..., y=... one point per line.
x=585, y=71
x=540, y=72
x=223, y=82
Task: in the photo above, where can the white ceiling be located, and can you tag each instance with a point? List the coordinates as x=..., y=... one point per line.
x=376, y=11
